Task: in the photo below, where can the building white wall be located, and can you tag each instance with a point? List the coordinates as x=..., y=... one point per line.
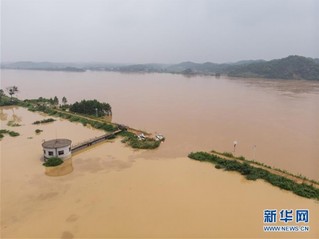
x=66, y=152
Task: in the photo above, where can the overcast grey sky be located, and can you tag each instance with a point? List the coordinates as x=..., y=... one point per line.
x=163, y=31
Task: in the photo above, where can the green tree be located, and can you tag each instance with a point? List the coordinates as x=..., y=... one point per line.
x=64, y=100
x=91, y=107
x=55, y=100
x=12, y=90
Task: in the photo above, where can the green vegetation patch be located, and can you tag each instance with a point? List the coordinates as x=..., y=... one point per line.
x=9, y=132
x=6, y=100
x=44, y=121
x=91, y=107
x=132, y=140
x=52, y=162
x=13, y=133
x=254, y=173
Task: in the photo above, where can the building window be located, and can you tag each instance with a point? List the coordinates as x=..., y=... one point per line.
x=44, y=152
x=50, y=153
x=61, y=152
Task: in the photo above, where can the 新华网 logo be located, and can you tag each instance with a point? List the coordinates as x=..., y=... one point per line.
x=292, y=220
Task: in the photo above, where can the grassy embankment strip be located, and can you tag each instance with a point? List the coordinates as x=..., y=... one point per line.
x=265, y=166
x=69, y=116
x=254, y=173
x=11, y=133
x=129, y=138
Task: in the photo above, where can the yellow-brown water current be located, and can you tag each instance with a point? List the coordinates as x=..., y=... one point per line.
x=115, y=191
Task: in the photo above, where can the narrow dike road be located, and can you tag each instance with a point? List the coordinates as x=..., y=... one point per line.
x=294, y=178
x=135, y=131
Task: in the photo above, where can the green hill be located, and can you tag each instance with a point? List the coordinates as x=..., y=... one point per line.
x=291, y=67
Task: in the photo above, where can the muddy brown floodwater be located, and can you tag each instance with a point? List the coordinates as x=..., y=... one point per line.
x=115, y=191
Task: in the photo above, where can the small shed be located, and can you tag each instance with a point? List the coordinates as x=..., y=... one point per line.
x=57, y=148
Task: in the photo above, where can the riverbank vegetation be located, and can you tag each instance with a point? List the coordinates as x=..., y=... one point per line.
x=6, y=100
x=253, y=173
x=9, y=132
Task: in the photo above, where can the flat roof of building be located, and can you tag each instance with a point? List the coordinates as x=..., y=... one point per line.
x=56, y=143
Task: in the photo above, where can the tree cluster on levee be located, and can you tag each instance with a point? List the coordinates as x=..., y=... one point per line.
x=91, y=107
x=84, y=107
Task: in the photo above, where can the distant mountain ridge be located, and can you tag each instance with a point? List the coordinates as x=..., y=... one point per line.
x=48, y=66
x=291, y=67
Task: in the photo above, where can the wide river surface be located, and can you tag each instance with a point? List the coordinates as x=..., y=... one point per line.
x=274, y=122
x=115, y=191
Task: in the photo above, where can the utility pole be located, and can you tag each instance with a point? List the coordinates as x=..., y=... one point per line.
x=235, y=144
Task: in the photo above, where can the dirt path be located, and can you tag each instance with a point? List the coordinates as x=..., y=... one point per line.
x=135, y=131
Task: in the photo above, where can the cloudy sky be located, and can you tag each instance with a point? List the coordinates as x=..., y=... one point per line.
x=158, y=31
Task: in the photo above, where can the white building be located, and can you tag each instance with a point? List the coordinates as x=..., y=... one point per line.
x=57, y=148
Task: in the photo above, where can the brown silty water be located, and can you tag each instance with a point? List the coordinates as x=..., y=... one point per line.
x=274, y=122
x=115, y=191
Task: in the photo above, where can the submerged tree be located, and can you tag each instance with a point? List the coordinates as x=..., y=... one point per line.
x=12, y=90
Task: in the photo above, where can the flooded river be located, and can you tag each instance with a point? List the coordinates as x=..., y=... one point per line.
x=275, y=122
x=115, y=191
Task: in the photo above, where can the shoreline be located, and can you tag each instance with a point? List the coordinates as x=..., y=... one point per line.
x=189, y=75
